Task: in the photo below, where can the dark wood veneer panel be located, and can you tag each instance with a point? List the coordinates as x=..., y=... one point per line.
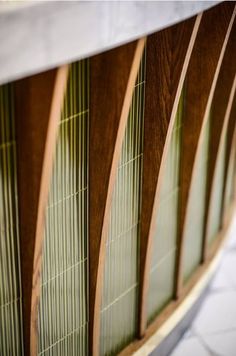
x=38, y=100
x=112, y=79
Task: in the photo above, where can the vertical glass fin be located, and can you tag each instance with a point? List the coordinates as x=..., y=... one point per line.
x=10, y=286
x=63, y=310
x=120, y=285
x=164, y=245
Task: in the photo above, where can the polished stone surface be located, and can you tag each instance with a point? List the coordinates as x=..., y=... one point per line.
x=213, y=331
x=36, y=36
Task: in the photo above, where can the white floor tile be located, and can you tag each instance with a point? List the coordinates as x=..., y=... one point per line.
x=221, y=281
x=222, y=344
x=190, y=347
x=228, y=267
x=218, y=313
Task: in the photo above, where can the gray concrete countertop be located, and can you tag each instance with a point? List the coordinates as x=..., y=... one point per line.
x=36, y=36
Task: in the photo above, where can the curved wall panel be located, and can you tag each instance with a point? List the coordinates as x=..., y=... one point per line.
x=164, y=85
x=63, y=310
x=121, y=279
x=113, y=77
x=162, y=272
x=194, y=228
x=121, y=215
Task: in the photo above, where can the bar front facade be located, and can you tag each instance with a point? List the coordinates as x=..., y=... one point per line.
x=117, y=187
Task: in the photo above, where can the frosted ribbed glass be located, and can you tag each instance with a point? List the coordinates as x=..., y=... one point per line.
x=164, y=243
x=120, y=285
x=10, y=286
x=229, y=190
x=193, y=234
x=63, y=311
x=214, y=218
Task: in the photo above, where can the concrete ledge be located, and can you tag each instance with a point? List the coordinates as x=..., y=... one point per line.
x=36, y=36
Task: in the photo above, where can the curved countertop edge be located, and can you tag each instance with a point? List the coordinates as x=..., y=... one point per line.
x=38, y=36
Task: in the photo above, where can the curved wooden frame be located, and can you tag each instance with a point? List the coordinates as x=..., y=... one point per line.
x=163, y=89
x=203, y=70
x=112, y=76
x=39, y=100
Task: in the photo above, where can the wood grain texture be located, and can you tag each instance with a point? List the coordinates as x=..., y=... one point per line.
x=202, y=77
x=38, y=100
x=112, y=79
x=231, y=133
x=168, y=54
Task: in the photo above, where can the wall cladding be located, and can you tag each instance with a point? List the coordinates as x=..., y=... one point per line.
x=97, y=303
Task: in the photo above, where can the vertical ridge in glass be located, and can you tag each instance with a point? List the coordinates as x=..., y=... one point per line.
x=214, y=216
x=10, y=283
x=196, y=212
x=164, y=245
x=120, y=286
x=63, y=310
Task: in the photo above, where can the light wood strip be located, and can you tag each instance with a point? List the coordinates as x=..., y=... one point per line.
x=112, y=75
x=168, y=55
x=39, y=101
x=202, y=77
x=234, y=188
x=231, y=133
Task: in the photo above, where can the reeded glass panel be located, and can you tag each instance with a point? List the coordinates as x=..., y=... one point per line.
x=229, y=182
x=164, y=245
x=214, y=218
x=120, y=286
x=63, y=312
x=10, y=290
x=193, y=234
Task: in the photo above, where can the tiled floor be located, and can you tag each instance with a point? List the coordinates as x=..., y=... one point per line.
x=213, y=332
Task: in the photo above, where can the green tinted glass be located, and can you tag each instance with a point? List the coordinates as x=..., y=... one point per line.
x=164, y=244
x=10, y=286
x=193, y=234
x=63, y=312
x=120, y=286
